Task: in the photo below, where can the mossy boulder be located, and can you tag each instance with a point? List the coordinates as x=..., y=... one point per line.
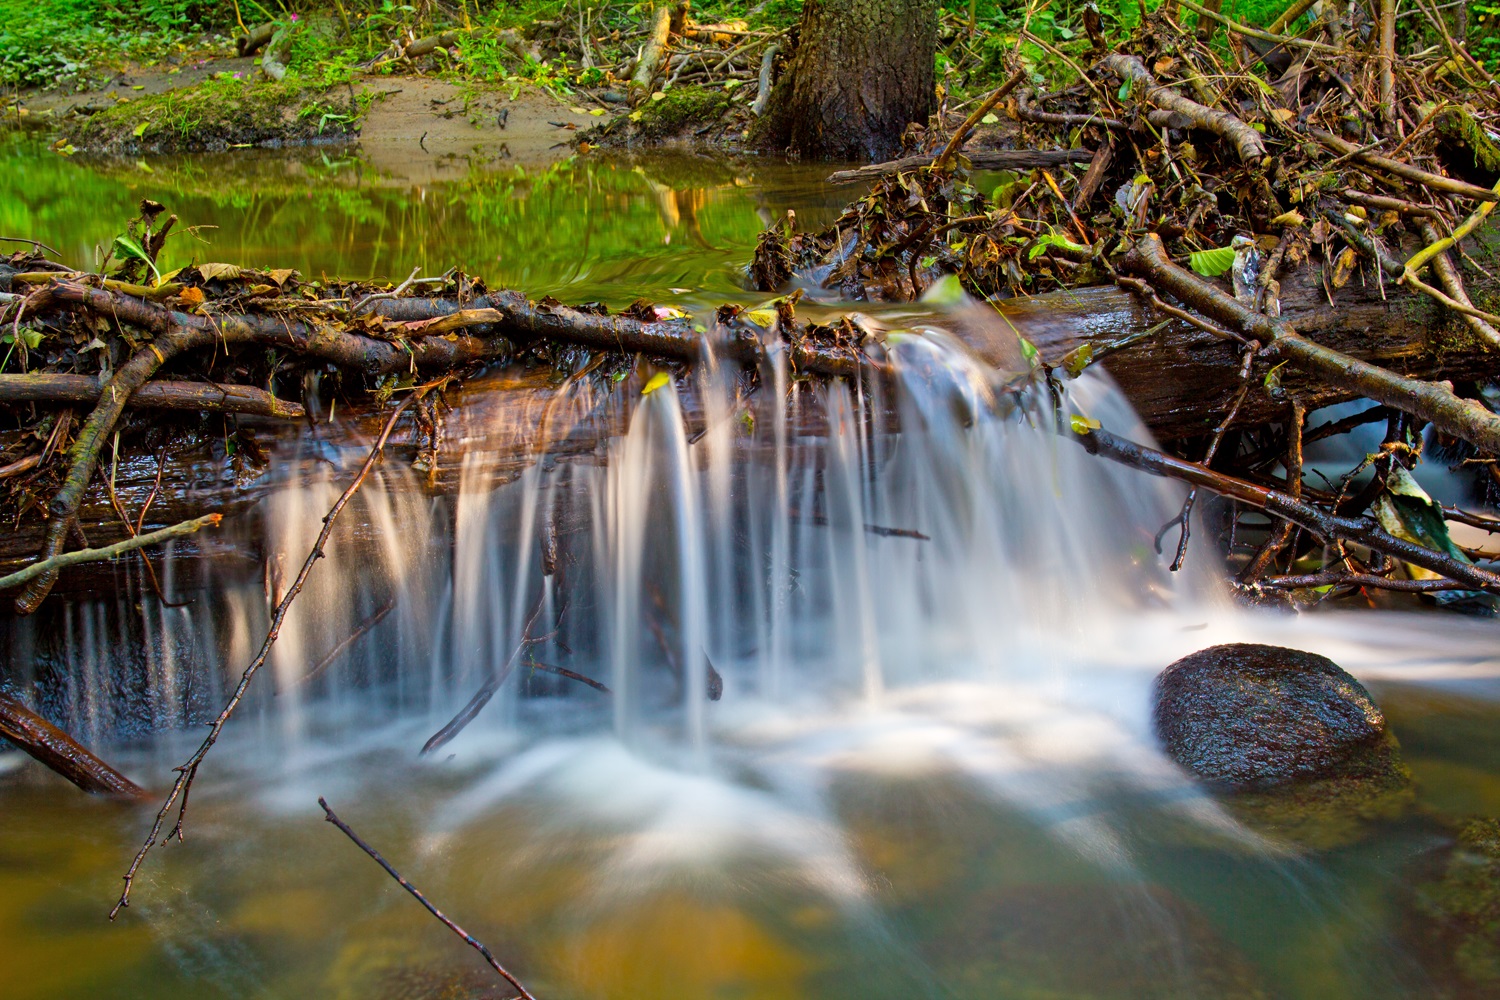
x=1456, y=916
x=219, y=114
x=1298, y=747
x=678, y=114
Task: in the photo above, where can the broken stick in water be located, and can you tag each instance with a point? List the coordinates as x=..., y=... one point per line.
x=470, y=939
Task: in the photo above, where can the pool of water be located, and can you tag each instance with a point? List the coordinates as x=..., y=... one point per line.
x=931, y=772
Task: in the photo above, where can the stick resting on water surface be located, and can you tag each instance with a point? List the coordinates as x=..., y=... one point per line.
x=188, y=771
x=472, y=941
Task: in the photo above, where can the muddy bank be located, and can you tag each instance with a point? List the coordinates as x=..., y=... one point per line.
x=224, y=105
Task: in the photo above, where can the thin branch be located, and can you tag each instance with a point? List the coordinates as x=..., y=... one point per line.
x=66, y=559
x=469, y=939
x=189, y=770
x=1362, y=531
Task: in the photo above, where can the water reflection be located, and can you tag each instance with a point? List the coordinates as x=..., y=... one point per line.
x=585, y=227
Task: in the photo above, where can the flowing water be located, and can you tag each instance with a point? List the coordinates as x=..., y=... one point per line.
x=878, y=672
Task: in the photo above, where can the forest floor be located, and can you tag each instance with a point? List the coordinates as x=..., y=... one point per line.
x=399, y=122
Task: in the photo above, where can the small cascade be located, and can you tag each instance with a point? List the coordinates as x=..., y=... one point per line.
x=706, y=545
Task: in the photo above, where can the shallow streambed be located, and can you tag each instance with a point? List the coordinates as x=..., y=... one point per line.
x=931, y=772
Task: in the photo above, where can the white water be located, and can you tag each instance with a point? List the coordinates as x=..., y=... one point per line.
x=1010, y=650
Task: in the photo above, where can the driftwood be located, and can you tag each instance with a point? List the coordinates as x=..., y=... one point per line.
x=1432, y=401
x=669, y=18
x=988, y=159
x=1246, y=141
x=206, y=397
x=60, y=752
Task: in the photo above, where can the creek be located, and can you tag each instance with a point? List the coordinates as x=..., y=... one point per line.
x=929, y=770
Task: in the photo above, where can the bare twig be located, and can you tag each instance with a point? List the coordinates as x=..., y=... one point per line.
x=187, y=771
x=469, y=939
x=962, y=132
x=487, y=690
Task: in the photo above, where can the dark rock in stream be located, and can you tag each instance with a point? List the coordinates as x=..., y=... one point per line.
x=1252, y=716
x=1297, y=740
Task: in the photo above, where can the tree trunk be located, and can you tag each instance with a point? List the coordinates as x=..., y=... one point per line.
x=862, y=71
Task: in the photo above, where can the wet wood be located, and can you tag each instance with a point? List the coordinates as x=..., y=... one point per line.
x=200, y=397
x=1180, y=379
x=61, y=753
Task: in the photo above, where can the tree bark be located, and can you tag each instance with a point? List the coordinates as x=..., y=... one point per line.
x=862, y=71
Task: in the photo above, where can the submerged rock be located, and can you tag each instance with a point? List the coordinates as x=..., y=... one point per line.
x=1297, y=740
x=1457, y=916
x=1091, y=942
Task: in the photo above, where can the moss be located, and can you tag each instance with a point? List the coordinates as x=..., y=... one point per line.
x=1372, y=785
x=679, y=113
x=216, y=115
x=1458, y=127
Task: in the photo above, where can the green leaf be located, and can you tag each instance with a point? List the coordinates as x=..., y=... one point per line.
x=1029, y=352
x=140, y=129
x=1081, y=424
x=1212, y=263
x=1124, y=94
x=1408, y=512
x=946, y=291
x=1076, y=360
x=656, y=382
x=126, y=247
x=1054, y=240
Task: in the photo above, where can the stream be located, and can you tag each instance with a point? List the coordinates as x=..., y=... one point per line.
x=879, y=719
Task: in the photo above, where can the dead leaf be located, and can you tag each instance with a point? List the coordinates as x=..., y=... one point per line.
x=1292, y=218
x=1283, y=114
x=191, y=297
x=1344, y=267
x=1164, y=64
x=281, y=275
x=220, y=272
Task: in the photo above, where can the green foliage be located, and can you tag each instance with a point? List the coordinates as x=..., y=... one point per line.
x=1212, y=263
x=1484, y=39
x=66, y=42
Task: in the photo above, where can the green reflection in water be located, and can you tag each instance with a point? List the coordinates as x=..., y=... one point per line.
x=583, y=227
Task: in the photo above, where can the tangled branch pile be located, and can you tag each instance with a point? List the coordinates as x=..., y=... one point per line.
x=1321, y=157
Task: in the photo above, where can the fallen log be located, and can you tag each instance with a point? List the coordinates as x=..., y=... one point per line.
x=988, y=159
x=419, y=47
x=61, y=753
x=1429, y=400
x=208, y=397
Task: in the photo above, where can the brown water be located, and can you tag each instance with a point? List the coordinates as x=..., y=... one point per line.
x=1015, y=838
